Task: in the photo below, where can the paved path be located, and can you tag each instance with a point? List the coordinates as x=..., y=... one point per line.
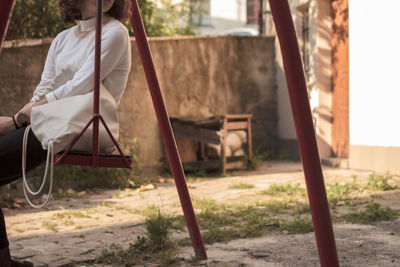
x=75, y=230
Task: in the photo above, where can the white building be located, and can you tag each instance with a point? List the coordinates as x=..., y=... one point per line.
x=351, y=67
x=224, y=15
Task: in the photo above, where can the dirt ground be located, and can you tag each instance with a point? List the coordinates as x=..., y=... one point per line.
x=73, y=231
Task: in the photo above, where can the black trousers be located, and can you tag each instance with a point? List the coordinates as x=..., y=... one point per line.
x=10, y=164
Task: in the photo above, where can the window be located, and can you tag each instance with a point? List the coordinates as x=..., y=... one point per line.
x=252, y=11
x=201, y=10
x=305, y=38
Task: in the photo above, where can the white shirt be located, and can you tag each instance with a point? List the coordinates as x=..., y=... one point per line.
x=69, y=66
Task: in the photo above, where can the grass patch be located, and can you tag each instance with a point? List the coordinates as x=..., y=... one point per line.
x=191, y=171
x=50, y=226
x=298, y=225
x=241, y=186
x=69, y=214
x=149, y=211
x=372, y=213
x=284, y=189
x=381, y=182
x=156, y=247
x=68, y=222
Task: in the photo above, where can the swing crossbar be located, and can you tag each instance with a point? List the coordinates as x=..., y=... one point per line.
x=85, y=159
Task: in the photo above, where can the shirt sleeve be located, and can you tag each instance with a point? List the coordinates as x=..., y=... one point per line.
x=46, y=84
x=114, y=44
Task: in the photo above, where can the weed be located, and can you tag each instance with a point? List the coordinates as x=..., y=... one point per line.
x=254, y=162
x=158, y=228
x=241, y=186
x=276, y=206
x=149, y=211
x=301, y=208
x=19, y=230
x=78, y=227
x=106, y=204
x=208, y=205
x=284, y=189
x=68, y=222
x=50, y=226
x=191, y=171
x=380, y=182
x=69, y=214
x=371, y=214
x=298, y=225
x=216, y=234
x=156, y=246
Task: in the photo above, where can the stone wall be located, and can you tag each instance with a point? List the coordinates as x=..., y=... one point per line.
x=199, y=76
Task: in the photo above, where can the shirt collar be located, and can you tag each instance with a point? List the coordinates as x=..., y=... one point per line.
x=90, y=24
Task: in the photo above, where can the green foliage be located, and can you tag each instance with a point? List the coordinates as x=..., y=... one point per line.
x=156, y=246
x=166, y=18
x=284, y=189
x=35, y=19
x=158, y=231
x=41, y=18
x=241, y=186
x=254, y=162
x=298, y=225
x=371, y=214
x=149, y=211
x=193, y=172
x=380, y=182
x=52, y=226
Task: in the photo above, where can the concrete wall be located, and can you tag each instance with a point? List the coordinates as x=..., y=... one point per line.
x=199, y=76
x=374, y=86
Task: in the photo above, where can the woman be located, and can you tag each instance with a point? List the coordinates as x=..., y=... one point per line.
x=68, y=71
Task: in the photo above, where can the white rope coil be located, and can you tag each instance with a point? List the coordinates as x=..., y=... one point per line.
x=50, y=159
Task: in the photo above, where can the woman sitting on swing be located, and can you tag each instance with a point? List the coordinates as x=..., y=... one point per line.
x=68, y=71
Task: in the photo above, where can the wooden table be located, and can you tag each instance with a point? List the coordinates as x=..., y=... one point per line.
x=212, y=130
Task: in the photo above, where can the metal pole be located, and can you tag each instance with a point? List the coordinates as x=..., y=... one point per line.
x=305, y=132
x=166, y=132
x=96, y=84
x=6, y=7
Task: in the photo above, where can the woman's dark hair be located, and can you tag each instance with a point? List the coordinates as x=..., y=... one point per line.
x=70, y=10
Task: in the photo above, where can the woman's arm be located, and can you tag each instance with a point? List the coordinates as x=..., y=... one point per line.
x=9, y=124
x=6, y=125
x=46, y=84
x=23, y=116
x=114, y=45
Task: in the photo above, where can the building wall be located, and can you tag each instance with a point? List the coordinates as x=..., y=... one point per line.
x=319, y=76
x=198, y=76
x=374, y=85
x=225, y=15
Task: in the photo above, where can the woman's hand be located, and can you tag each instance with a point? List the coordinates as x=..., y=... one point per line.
x=6, y=125
x=26, y=110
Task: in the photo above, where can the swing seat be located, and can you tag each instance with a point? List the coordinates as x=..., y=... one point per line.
x=86, y=159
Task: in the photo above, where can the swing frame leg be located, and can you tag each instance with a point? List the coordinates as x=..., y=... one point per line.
x=166, y=132
x=6, y=7
x=305, y=132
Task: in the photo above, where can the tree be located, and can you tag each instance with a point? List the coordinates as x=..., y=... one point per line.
x=35, y=19
x=41, y=18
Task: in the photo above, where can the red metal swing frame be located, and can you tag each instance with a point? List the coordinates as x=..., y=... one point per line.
x=301, y=113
